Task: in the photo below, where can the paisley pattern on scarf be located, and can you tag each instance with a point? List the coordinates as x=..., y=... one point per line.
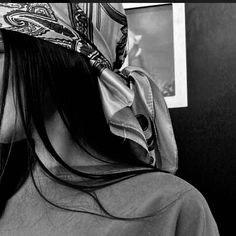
x=39, y=14
x=41, y=20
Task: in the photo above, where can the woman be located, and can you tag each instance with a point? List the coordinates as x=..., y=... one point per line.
x=85, y=150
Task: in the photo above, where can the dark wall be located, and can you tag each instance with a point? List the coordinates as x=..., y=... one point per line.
x=206, y=130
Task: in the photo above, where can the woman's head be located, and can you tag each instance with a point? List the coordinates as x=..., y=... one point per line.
x=99, y=32
x=41, y=79
x=100, y=41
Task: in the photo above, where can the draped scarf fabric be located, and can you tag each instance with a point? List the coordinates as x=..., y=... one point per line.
x=133, y=106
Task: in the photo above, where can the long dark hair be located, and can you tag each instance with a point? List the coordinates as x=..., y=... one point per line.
x=40, y=69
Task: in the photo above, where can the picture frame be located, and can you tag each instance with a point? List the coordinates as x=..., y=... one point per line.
x=165, y=45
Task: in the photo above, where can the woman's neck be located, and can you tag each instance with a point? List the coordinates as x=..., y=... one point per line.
x=65, y=147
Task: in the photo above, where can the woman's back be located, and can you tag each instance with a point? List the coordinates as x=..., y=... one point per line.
x=178, y=207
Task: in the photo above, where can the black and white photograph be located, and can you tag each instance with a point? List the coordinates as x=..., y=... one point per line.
x=117, y=119
x=157, y=43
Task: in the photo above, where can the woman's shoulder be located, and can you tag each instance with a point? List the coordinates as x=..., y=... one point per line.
x=153, y=191
x=177, y=207
x=155, y=183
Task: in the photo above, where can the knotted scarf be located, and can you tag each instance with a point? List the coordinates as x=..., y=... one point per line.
x=133, y=105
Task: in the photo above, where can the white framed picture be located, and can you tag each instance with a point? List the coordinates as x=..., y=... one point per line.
x=157, y=43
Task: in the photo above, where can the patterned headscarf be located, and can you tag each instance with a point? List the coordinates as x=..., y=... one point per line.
x=133, y=106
